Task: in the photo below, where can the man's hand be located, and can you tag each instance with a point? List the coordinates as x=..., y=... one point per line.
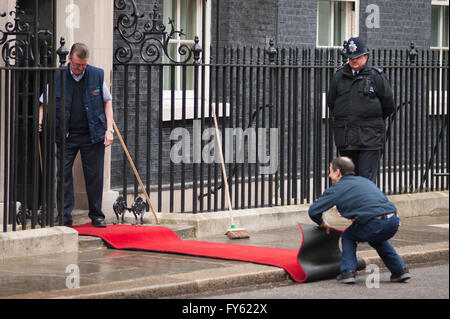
x=109, y=138
x=41, y=117
x=325, y=226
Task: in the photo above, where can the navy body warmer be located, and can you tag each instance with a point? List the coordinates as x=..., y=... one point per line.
x=92, y=101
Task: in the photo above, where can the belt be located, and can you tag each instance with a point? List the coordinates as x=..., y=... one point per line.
x=385, y=216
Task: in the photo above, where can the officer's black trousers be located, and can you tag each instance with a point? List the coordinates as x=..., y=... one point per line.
x=366, y=162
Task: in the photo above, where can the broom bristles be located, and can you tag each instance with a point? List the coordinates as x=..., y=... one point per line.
x=237, y=233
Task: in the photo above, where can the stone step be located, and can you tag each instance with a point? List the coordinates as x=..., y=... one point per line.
x=90, y=243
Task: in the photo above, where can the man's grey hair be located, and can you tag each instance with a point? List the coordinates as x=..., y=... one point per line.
x=80, y=49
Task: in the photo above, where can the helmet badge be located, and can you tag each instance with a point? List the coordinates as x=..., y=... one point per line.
x=352, y=46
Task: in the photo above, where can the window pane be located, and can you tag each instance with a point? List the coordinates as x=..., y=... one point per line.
x=324, y=35
x=189, y=18
x=172, y=51
x=170, y=11
x=339, y=22
x=445, y=25
x=434, y=25
x=186, y=21
x=190, y=77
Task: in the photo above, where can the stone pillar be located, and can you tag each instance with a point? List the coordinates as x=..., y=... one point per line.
x=5, y=7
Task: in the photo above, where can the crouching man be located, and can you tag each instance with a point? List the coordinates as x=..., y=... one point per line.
x=374, y=219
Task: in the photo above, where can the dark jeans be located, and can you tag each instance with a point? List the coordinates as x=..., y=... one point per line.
x=92, y=159
x=376, y=232
x=366, y=163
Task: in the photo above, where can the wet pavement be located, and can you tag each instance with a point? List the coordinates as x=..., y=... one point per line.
x=99, y=272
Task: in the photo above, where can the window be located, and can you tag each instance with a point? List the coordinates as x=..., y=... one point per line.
x=439, y=42
x=439, y=24
x=186, y=16
x=337, y=20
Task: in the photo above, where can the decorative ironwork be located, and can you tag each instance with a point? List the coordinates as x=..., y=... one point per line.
x=18, y=38
x=14, y=48
x=23, y=214
x=197, y=50
x=343, y=52
x=62, y=52
x=138, y=208
x=271, y=52
x=153, y=40
x=412, y=52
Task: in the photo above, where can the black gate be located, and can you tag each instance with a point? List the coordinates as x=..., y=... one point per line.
x=27, y=80
x=271, y=110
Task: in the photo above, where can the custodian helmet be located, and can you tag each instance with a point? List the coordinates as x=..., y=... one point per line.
x=356, y=47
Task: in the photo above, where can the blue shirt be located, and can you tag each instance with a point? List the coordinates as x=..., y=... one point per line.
x=355, y=197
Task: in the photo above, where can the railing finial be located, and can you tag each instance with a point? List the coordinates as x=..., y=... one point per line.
x=62, y=52
x=412, y=52
x=197, y=50
x=271, y=52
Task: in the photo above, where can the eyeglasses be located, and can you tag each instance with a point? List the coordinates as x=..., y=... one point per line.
x=78, y=65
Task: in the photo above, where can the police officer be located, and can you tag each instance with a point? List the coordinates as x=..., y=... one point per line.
x=360, y=99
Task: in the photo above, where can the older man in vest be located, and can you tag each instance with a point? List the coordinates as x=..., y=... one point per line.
x=88, y=130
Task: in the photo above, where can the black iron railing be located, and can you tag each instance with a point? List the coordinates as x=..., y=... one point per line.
x=162, y=107
x=270, y=103
x=28, y=157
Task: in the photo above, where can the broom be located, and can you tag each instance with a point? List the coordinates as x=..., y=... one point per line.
x=135, y=171
x=233, y=232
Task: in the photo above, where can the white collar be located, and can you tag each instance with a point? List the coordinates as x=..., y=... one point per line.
x=77, y=78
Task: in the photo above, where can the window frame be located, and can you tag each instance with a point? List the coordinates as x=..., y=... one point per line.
x=433, y=94
x=441, y=4
x=189, y=93
x=354, y=15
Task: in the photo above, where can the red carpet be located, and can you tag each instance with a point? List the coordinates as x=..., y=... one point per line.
x=318, y=257
x=162, y=239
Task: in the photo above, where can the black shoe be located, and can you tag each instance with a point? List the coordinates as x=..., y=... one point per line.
x=401, y=276
x=347, y=277
x=99, y=222
x=67, y=224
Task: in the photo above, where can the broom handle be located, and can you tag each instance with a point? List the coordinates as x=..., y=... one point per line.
x=135, y=171
x=224, y=172
x=40, y=154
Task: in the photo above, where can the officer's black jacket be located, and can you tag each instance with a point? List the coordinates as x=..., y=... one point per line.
x=359, y=105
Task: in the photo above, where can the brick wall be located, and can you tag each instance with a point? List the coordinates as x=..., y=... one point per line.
x=247, y=23
x=401, y=22
x=297, y=23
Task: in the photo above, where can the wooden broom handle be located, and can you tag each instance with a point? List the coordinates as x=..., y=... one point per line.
x=224, y=172
x=135, y=171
